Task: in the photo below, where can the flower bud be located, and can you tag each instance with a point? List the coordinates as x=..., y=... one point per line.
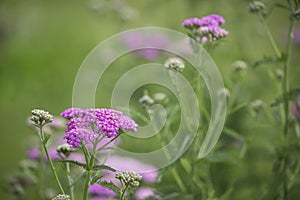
x=40, y=117
x=256, y=6
x=146, y=100
x=64, y=149
x=62, y=197
x=256, y=105
x=129, y=178
x=174, y=63
x=239, y=65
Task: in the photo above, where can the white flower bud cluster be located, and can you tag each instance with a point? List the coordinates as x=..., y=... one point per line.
x=256, y=6
x=146, y=100
x=65, y=149
x=239, y=65
x=41, y=117
x=175, y=63
x=129, y=178
x=257, y=104
x=62, y=197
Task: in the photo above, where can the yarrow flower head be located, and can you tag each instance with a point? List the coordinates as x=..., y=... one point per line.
x=256, y=6
x=64, y=149
x=40, y=117
x=86, y=125
x=62, y=197
x=207, y=28
x=175, y=63
x=129, y=178
x=239, y=65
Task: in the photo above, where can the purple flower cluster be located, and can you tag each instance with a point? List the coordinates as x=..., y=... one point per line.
x=206, y=28
x=86, y=125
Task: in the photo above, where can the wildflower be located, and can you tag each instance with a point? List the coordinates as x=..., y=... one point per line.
x=99, y=191
x=152, y=43
x=256, y=6
x=64, y=149
x=129, y=178
x=40, y=117
x=160, y=97
x=239, y=65
x=279, y=74
x=207, y=28
x=86, y=125
x=257, y=105
x=148, y=172
x=146, y=100
x=34, y=154
x=295, y=108
x=224, y=92
x=174, y=63
x=146, y=193
x=62, y=197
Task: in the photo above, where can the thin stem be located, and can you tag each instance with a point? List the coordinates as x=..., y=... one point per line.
x=286, y=103
x=90, y=159
x=270, y=36
x=87, y=157
x=286, y=75
x=87, y=184
x=41, y=172
x=50, y=161
x=178, y=180
x=70, y=181
x=123, y=192
x=101, y=148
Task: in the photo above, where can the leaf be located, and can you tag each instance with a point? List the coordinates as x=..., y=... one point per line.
x=237, y=108
x=75, y=163
x=46, y=139
x=234, y=134
x=286, y=97
x=268, y=59
x=170, y=196
x=100, y=167
x=186, y=165
x=96, y=178
x=222, y=157
x=227, y=194
x=111, y=186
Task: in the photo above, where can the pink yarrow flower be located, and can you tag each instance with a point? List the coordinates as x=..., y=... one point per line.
x=86, y=125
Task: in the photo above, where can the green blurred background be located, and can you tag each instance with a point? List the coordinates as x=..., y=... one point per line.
x=43, y=43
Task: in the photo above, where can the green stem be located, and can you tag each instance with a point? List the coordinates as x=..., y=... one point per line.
x=50, y=161
x=70, y=181
x=286, y=76
x=123, y=193
x=41, y=172
x=90, y=159
x=270, y=36
x=87, y=184
x=286, y=103
x=178, y=180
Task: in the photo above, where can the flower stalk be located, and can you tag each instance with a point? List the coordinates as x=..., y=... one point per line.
x=53, y=170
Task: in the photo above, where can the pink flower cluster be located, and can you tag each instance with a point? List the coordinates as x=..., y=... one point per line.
x=86, y=125
x=206, y=28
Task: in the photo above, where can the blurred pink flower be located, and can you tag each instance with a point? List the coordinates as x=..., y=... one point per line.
x=34, y=154
x=100, y=192
x=146, y=193
x=154, y=42
x=148, y=172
